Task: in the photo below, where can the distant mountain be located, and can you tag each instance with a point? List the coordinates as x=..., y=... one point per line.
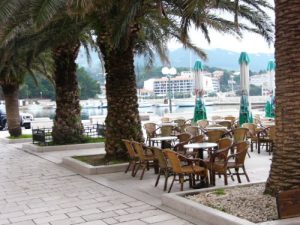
x=220, y=58
x=181, y=57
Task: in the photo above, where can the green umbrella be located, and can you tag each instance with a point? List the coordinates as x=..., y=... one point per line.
x=200, y=110
x=245, y=106
x=270, y=104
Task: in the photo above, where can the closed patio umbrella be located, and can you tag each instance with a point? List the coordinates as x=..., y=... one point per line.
x=270, y=104
x=200, y=110
x=245, y=106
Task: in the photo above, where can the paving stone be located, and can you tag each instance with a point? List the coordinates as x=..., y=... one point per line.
x=69, y=221
x=35, y=191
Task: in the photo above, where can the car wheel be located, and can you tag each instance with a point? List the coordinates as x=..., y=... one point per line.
x=27, y=126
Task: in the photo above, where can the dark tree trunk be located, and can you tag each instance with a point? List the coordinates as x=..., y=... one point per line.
x=285, y=168
x=122, y=121
x=11, y=96
x=67, y=122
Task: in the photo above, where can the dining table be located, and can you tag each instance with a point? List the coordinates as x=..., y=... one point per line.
x=164, y=140
x=201, y=147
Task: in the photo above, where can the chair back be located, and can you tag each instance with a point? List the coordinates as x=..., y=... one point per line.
x=226, y=124
x=202, y=123
x=214, y=135
x=150, y=129
x=192, y=130
x=161, y=158
x=174, y=160
x=241, y=150
x=224, y=143
x=197, y=139
x=251, y=128
x=239, y=134
x=183, y=137
x=165, y=120
x=130, y=150
x=272, y=132
x=138, y=147
x=166, y=130
x=231, y=118
x=180, y=122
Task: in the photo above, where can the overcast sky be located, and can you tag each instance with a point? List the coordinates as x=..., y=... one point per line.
x=251, y=43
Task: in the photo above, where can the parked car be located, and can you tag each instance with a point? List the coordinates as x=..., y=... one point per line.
x=25, y=120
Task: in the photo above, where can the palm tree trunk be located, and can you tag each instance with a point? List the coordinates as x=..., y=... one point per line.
x=285, y=168
x=67, y=122
x=122, y=121
x=11, y=96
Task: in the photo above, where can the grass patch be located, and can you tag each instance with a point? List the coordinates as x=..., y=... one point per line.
x=21, y=136
x=219, y=191
x=93, y=140
x=97, y=160
x=85, y=140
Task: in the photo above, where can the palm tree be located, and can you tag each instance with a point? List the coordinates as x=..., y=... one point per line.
x=285, y=169
x=141, y=27
x=16, y=61
x=58, y=32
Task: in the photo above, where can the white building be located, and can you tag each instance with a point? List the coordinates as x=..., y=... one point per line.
x=265, y=81
x=179, y=84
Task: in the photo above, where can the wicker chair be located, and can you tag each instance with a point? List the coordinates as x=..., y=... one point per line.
x=192, y=130
x=214, y=135
x=150, y=132
x=165, y=120
x=197, y=139
x=221, y=164
x=184, y=167
x=180, y=128
x=226, y=124
x=184, y=137
x=239, y=160
x=202, y=123
x=166, y=130
x=144, y=160
x=239, y=134
x=267, y=137
x=164, y=167
x=252, y=133
x=133, y=157
x=231, y=118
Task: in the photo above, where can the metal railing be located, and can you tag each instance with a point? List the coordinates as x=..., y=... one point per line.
x=43, y=136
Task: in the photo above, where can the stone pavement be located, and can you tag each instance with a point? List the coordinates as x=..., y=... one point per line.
x=36, y=191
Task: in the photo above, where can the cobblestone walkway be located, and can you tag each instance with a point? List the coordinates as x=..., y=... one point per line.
x=35, y=191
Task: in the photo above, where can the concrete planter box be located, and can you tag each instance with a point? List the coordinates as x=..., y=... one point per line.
x=209, y=215
x=84, y=168
x=36, y=148
x=15, y=141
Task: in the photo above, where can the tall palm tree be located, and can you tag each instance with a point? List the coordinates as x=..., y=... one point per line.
x=16, y=61
x=285, y=168
x=55, y=30
x=144, y=26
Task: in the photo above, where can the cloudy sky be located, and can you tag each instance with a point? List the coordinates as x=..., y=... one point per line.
x=250, y=42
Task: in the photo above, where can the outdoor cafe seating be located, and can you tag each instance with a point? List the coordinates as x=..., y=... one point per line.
x=186, y=169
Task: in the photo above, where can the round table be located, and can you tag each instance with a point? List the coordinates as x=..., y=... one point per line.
x=215, y=128
x=201, y=146
x=164, y=140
